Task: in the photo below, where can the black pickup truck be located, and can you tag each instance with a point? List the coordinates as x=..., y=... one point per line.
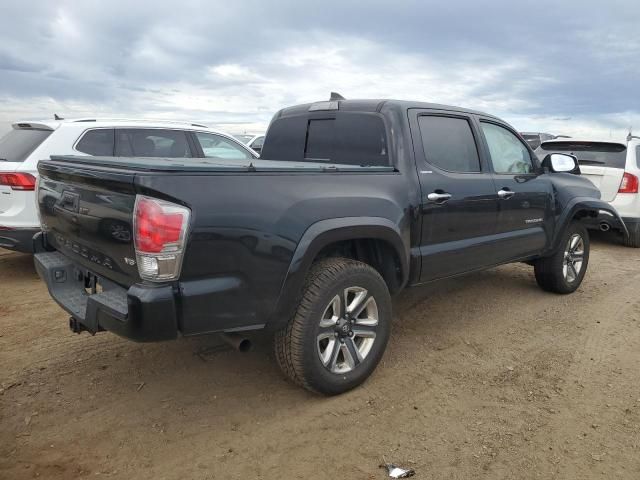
x=351, y=201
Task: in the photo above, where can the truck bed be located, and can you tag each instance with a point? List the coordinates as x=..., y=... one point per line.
x=211, y=165
x=247, y=218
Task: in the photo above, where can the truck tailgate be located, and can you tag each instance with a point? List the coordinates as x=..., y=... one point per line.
x=87, y=212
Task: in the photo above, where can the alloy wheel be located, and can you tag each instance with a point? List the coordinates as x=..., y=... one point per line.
x=347, y=330
x=573, y=258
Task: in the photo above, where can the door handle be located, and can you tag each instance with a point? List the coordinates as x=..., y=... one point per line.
x=438, y=197
x=505, y=193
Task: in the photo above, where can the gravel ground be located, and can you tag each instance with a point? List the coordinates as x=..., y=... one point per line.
x=486, y=376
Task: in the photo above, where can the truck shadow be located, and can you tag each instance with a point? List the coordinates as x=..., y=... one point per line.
x=184, y=384
x=448, y=337
x=205, y=371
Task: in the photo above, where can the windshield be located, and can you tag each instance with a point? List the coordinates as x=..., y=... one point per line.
x=589, y=153
x=244, y=138
x=18, y=144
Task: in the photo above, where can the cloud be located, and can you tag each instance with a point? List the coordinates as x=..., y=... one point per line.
x=235, y=64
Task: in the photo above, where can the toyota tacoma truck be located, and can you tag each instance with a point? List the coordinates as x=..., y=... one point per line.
x=350, y=202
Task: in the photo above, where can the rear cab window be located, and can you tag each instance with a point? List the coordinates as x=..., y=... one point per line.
x=597, y=154
x=345, y=138
x=19, y=143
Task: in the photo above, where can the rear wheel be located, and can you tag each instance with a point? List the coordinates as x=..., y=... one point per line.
x=633, y=240
x=340, y=330
x=564, y=270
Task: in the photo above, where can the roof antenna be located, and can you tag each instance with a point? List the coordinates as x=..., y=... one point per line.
x=57, y=117
x=336, y=96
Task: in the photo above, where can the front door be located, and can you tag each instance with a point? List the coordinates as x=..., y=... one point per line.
x=525, y=196
x=459, y=203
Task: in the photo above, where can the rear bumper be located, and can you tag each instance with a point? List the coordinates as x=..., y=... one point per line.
x=18, y=239
x=141, y=313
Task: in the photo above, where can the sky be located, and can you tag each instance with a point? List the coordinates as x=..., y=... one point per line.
x=569, y=67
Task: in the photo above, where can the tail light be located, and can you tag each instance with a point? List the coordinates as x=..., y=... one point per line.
x=160, y=231
x=629, y=184
x=18, y=181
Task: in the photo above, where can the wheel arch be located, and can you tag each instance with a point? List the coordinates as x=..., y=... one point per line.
x=581, y=208
x=375, y=240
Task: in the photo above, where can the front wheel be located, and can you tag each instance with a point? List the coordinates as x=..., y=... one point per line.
x=563, y=271
x=340, y=330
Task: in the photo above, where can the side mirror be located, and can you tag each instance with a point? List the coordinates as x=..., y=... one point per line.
x=560, y=162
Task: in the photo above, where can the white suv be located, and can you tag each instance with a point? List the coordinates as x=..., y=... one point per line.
x=29, y=142
x=613, y=167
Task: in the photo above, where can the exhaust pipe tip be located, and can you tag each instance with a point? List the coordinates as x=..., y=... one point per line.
x=240, y=343
x=604, y=227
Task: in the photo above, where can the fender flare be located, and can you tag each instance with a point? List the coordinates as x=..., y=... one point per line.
x=577, y=204
x=326, y=232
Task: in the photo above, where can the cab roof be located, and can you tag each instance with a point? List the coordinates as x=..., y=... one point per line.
x=371, y=105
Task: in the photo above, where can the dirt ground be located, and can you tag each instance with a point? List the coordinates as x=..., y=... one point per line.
x=485, y=376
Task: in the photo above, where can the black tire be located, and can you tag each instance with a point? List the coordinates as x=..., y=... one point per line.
x=633, y=240
x=549, y=271
x=297, y=346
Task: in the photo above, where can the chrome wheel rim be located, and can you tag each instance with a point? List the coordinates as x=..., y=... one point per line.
x=347, y=330
x=573, y=258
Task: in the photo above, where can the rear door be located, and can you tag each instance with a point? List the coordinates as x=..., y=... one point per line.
x=459, y=203
x=524, y=225
x=603, y=163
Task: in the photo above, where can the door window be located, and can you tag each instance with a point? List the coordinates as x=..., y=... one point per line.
x=508, y=154
x=449, y=144
x=216, y=146
x=97, y=142
x=152, y=142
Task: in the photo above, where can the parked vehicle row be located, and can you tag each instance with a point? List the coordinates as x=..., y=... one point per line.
x=535, y=139
x=28, y=142
x=350, y=202
x=613, y=167
x=253, y=141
